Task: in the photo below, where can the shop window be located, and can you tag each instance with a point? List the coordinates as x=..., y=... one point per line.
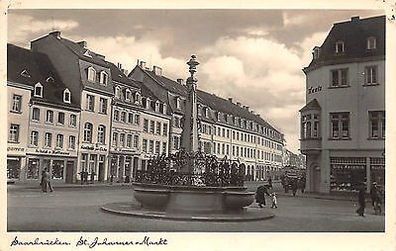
x=13, y=136
x=371, y=77
x=57, y=169
x=35, y=114
x=339, y=125
x=84, y=162
x=377, y=170
x=92, y=163
x=13, y=168
x=102, y=105
x=339, y=78
x=101, y=134
x=347, y=173
x=48, y=139
x=88, y=128
x=377, y=125
x=371, y=43
x=34, y=135
x=73, y=120
x=32, y=172
x=16, y=103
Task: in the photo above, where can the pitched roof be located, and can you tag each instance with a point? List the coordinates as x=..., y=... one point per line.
x=312, y=105
x=354, y=34
x=40, y=69
x=118, y=76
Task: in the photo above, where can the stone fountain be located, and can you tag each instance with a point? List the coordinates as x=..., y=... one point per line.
x=191, y=184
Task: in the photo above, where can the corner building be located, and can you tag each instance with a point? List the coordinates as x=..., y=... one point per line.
x=343, y=121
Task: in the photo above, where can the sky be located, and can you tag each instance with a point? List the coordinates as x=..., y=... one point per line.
x=254, y=56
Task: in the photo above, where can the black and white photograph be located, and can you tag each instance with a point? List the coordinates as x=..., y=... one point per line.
x=195, y=120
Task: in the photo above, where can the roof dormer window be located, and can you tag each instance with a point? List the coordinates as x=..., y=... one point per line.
x=118, y=92
x=340, y=47
x=66, y=96
x=371, y=43
x=25, y=73
x=38, y=90
x=137, y=98
x=177, y=103
x=157, y=103
x=103, y=78
x=86, y=53
x=50, y=79
x=316, y=52
x=91, y=74
x=148, y=103
x=164, y=109
x=127, y=95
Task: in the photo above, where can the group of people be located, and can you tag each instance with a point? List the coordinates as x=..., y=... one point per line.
x=84, y=177
x=46, y=182
x=376, y=199
x=266, y=190
x=293, y=183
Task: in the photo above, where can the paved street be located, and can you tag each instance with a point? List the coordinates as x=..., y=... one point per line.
x=76, y=209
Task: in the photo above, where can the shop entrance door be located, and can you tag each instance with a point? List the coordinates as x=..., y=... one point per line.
x=101, y=168
x=69, y=171
x=316, y=179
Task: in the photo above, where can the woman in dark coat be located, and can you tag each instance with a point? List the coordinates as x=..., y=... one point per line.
x=44, y=181
x=260, y=195
x=362, y=201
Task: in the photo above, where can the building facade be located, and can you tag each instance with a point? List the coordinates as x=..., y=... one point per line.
x=343, y=121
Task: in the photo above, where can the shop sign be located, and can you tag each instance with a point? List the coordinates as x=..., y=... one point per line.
x=94, y=148
x=312, y=90
x=50, y=151
x=15, y=149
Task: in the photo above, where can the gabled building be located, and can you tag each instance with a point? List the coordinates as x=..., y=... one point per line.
x=88, y=77
x=343, y=121
x=47, y=121
x=227, y=129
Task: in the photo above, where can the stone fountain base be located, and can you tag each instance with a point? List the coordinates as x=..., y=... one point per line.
x=191, y=203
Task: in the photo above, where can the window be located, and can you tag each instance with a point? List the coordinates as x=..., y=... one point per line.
x=158, y=128
x=123, y=117
x=144, y=146
x=91, y=74
x=128, y=95
x=339, y=77
x=13, y=136
x=151, y=146
x=145, y=125
x=157, y=147
x=339, y=47
x=72, y=142
x=129, y=141
x=377, y=125
x=36, y=114
x=118, y=92
x=88, y=128
x=59, y=141
x=370, y=75
x=103, y=78
x=339, y=124
x=177, y=103
x=90, y=103
x=165, y=130
x=116, y=115
x=101, y=134
x=371, y=43
x=34, y=138
x=66, y=96
x=135, y=141
x=152, y=125
x=73, y=120
x=164, y=147
x=137, y=119
x=130, y=118
x=61, y=118
x=176, y=142
x=16, y=103
x=310, y=126
x=50, y=116
x=122, y=139
x=103, y=105
x=48, y=139
x=38, y=90
x=115, y=139
x=156, y=105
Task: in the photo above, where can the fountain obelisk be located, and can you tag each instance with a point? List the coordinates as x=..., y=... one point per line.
x=190, y=127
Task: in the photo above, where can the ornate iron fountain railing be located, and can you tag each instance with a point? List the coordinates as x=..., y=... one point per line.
x=207, y=170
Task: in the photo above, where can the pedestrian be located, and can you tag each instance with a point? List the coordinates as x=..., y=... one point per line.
x=274, y=200
x=49, y=182
x=375, y=198
x=361, y=200
x=260, y=195
x=82, y=177
x=294, y=187
x=44, y=182
x=93, y=177
x=86, y=177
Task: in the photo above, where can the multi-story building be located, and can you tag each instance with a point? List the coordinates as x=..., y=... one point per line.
x=87, y=76
x=51, y=114
x=227, y=129
x=343, y=121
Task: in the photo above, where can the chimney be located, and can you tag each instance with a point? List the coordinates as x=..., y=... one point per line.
x=142, y=64
x=355, y=18
x=230, y=99
x=180, y=81
x=119, y=66
x=238, y=104
x=56, y=34
x=157, y=70
x=125, y=71
x=83, y=44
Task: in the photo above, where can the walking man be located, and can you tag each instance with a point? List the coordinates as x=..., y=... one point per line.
x=361, y=200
